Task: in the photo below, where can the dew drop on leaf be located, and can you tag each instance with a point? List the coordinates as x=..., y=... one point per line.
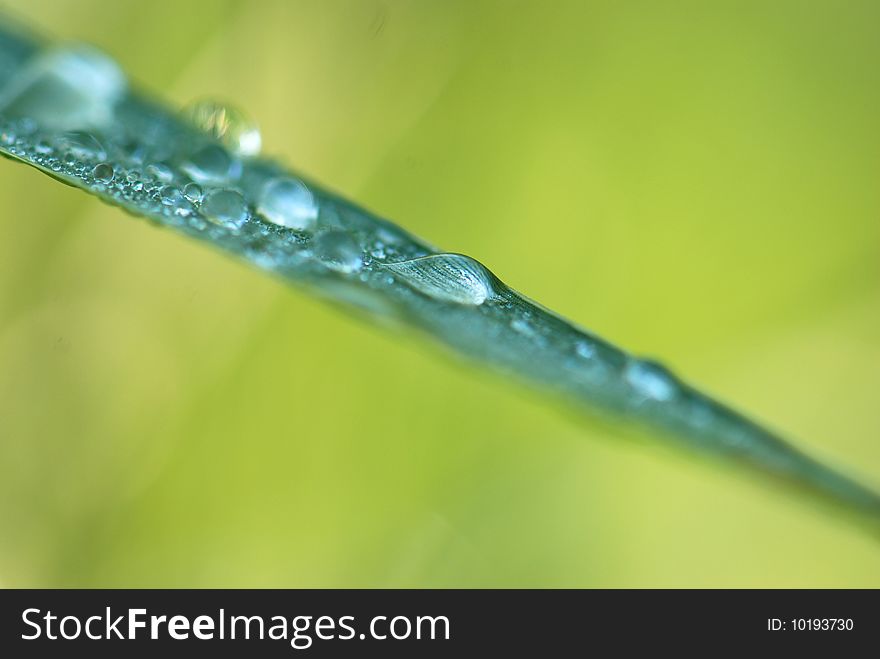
x=287, y=203
x=193, y=192
x=161, y=171
x=70, y=88
x=225, y=208
x=338, y=251
x=228, y=125
x=170, y=195
x=211, y=164
x=585, y=350
x=449, y=277
x=82, y=145
x=103, y=173
x=650, y=379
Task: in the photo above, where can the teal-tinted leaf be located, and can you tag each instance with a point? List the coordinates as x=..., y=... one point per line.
x=71, y=114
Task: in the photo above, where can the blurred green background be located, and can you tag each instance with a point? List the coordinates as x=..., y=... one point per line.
x=695, y=181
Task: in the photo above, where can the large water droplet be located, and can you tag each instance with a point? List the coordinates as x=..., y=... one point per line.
x=287, y=203
x=103, y=173
x=211, y=164
x=225, y=208
x=451, y=277
x=650, y=379
x=70, y=88
x=338, y=251
x=228, y=125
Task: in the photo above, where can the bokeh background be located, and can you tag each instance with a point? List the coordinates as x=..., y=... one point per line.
x=696, y=181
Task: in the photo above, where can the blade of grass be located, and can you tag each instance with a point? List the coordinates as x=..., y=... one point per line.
x=70, y=114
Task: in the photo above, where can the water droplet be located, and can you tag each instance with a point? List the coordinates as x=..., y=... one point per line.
x=211, y=164
x=585, y=350
x=227, y=124
x=65, y=89
x=451, y=277
x=287, y=203
x=225, y=208
x=193, y=192
x=650, y=379
x=524, y=327
x=82, y=145
x=161, y=171
x=338, y=251
x=170, y=195
x=133, y=178
x=103, y=173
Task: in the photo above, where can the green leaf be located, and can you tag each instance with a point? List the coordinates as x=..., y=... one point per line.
x=71, y=113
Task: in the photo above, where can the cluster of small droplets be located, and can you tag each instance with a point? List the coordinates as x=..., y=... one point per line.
x=207, y=179
x=70, y=112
